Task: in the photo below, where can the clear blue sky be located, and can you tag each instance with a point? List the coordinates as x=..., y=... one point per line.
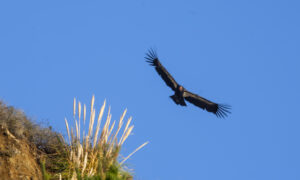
x=244, y=53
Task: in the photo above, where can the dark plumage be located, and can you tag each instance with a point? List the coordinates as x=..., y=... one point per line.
x=181, y=94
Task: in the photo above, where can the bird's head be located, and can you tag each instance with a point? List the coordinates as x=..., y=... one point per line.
x=180, y=88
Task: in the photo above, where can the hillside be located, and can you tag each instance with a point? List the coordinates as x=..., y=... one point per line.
x=30, y=151
x=24, y=145
x=18, y=160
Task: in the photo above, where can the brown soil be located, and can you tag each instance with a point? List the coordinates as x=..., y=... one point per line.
x=17, y=158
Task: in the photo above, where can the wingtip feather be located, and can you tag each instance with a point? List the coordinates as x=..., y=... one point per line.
x=223, y=110
x=151, y=57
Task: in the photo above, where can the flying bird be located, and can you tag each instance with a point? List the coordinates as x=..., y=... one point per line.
x=181, y=94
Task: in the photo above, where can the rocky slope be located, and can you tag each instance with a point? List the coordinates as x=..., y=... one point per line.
x=18, y=159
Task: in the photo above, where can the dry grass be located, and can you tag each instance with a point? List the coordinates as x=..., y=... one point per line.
x=46, y=145
x=23, y=127
x=94, y=152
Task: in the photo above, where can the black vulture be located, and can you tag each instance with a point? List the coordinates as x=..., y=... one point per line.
x=181, y=94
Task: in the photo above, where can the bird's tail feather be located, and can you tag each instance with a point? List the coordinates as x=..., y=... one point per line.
x=177, y=100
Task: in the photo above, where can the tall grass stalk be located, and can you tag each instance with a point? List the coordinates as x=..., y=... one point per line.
x=97, y=152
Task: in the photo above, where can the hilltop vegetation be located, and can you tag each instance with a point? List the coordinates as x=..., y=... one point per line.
x=93, y=154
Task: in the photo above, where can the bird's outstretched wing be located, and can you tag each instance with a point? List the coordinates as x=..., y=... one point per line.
x=220, y=110
x=152, y=58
